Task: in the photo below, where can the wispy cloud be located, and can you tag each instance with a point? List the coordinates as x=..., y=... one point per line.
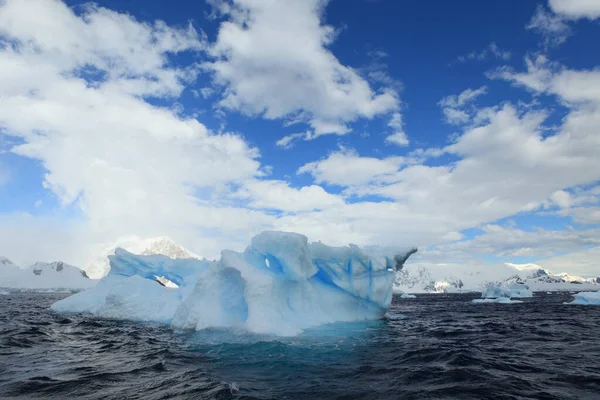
x=492, y=51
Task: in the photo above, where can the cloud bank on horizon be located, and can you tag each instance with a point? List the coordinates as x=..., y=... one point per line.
x=296, y=115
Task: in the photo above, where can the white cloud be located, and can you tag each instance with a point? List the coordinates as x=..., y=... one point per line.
x=272, y=59
x=279, y=195
x=287, y=142
x=582, y=261
x=135, y=168
x=575, y=9
x=582, y=205
x=561, y=198
x=510, y=242
x=506, y=166
x=455, y=107
x=550, y=26
x=131, y=167
x=492, y=50
x=347, y=168
x=398, y=137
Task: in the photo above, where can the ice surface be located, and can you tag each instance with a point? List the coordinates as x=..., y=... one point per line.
x=280, y=284
x=587, y=298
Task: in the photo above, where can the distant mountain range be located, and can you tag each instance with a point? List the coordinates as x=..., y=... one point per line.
x=59, y=276
x=54, y=276
x=415, y=278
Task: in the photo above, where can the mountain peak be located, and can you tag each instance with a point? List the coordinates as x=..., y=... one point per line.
x=164, y=245
x=6, y=263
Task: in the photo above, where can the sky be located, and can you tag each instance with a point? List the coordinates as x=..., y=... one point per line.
x=468, y=129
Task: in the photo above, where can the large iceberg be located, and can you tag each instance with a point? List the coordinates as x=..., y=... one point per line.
x=280, y=284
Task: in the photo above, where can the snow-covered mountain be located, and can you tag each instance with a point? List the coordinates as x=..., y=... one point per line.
x=436, y=278
x=540, y=279
x=43, y=276
x=5, y=263
x=99, y=266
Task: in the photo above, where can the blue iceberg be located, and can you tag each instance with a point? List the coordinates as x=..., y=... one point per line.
x=281, y=284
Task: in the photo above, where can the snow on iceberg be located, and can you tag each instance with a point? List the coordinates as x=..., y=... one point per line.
x=280, y=284
x=587, y=298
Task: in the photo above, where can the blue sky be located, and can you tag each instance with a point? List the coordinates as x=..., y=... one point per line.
x=458, y=126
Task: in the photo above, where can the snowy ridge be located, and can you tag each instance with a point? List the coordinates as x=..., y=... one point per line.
x=100, y=265
x=280, y=284
x=436, y=278
x=6, y=263
x=54, y=276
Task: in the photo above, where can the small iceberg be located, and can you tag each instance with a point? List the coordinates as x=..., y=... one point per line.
x=499, y=300
x=586, y=298
x=503, y=294
x=407, y=296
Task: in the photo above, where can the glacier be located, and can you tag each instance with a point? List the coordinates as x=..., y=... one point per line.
x=281, y=284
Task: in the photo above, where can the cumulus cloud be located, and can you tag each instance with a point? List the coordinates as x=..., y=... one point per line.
x=74, y=94
x=347, y=168
x=272, y=59
x=278, y=195
x=575, y=9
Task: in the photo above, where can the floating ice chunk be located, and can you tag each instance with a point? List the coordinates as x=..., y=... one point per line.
x=408, y=296
x=587, y=298
x=280, y=284
x=499, y=300
x=519, y=291
x=514, y=290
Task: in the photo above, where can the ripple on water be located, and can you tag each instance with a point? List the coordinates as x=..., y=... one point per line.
x=435, y=346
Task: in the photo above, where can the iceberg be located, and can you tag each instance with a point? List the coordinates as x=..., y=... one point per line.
x=503, y=293
x=514, y=290
x=587, y=298
x=281, y=284
x=499, y=300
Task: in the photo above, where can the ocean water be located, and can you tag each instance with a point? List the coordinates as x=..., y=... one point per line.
x=433, y=347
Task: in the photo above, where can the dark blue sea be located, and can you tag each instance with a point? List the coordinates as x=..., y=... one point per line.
x=433, y=347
